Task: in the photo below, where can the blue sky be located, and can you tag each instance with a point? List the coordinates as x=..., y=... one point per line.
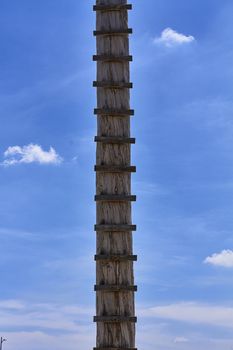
x=183, y=98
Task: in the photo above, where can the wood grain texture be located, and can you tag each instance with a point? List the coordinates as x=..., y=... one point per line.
x=115, y=309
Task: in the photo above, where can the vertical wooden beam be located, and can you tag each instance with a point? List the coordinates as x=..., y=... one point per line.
x=115, y=310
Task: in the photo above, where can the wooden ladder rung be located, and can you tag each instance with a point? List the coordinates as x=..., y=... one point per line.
x=115, y=228
x=115, y=168
x=111, y=348
x=112, y=7
x=114, y=112
x=112, y=58
x=115, y=198
x=112, y=84
x=113, y=32
x=115, y=319
x=115, y=257
x=115, y=288
x=115, y=139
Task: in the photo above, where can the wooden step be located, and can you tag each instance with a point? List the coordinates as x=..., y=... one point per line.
x=115, y=257
x=113, y=32
x=114, y=112
x=115, y=139
x=115, y=319
x=115, y=288
x=112, y=7
x=115, y=198
x=112, y=84
x=115, y=228
x=115, y=168
x=111, y=58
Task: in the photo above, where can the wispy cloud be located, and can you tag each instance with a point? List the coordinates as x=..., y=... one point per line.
x=150, y=189
x=224, y=259
x=170, y=37
x=22, y=315
x=178, y=340
x=40, y=340
x=31, y=153
x=48, y=326
x=11, y=304
x=192, y=312
x=45, y=326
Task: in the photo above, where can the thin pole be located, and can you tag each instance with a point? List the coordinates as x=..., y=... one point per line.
x=115, y=310
x=1, y=342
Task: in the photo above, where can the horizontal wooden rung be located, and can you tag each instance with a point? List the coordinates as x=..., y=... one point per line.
x=115, y=288
x=113, y=84
x=115, y=139
x=112, y=7
x=115, y=198
x=115, y=319
x=115, y=168
x=111, y=348
x=114, y=112
x=113, y=58
x=115, y=257
x=113, y=32
x=115, y=228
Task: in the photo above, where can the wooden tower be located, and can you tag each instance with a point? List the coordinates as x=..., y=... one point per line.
x=115, y=312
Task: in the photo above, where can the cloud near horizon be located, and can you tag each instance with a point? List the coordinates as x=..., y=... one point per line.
x=224, y=259
x=31, y=153
x=50, y=325
x=193, y=312
x=170, y=37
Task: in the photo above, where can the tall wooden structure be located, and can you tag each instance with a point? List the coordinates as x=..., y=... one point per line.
x=115, y=312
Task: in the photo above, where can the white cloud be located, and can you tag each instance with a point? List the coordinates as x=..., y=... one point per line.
x=31, y=153
x=178, y=340
x=225, y=259
x=36, y=326
x=11, y=304
x=170, y=37
x=195, y=313
x=40, y=340
x=18, y=314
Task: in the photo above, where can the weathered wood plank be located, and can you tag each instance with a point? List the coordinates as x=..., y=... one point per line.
x=111, y=257
x=113, y=84
x=115, y=228
x=115, y=319
x=111, y=58
x=115, y=168
x=114, y=112
x=117, y=7
x=113, y=32
x=115, y=198
x=115, y=288
x=115, y=139
x=111, y=348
